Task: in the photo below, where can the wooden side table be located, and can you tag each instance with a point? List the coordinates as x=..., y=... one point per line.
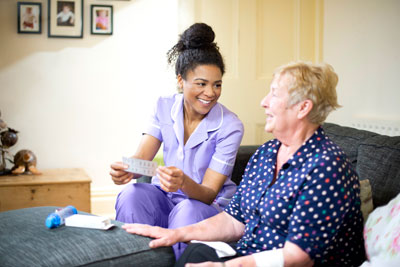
x=54, y=187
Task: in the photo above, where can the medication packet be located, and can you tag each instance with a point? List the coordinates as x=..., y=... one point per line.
x=89, y=221
x=140, y=166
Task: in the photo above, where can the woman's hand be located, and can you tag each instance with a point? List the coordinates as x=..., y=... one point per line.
x=162, y=237
x=147, y=150
x=171, y=178
x=118, y=173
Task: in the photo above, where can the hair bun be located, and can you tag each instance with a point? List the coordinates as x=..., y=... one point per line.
x=197, y=36
x=195, y=47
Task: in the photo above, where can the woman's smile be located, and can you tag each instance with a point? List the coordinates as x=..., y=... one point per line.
x=205, y=102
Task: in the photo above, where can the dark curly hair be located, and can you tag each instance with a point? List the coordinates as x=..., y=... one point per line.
x=195, y=47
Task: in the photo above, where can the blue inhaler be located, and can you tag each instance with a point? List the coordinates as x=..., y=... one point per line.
x=57, y=218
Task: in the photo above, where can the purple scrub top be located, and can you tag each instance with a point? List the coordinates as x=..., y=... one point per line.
x=213, y=144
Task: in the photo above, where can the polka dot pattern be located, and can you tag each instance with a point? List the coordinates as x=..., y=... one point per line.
x=314, y=203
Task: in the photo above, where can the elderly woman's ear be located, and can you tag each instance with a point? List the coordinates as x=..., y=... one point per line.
x=304, y=108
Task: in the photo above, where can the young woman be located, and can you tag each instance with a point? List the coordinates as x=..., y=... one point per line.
x=200, y=138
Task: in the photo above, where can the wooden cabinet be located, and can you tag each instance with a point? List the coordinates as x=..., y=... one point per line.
x=54, y=187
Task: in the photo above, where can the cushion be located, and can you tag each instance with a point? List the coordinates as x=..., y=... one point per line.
x=347, y=138
x=379, y=161
x=366, y=198
x=26, y=241
x=382, y=235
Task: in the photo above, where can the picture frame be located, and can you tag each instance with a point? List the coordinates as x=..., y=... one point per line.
x=65, y=18
x=29, y=17
x=101, y=19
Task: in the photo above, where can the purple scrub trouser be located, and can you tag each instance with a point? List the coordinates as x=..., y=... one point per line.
x=148, y=204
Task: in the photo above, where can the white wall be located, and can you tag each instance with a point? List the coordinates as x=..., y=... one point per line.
x=362, y=42
x=83, y=102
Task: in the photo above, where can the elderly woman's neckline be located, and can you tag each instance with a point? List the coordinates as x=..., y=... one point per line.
x=291, y=143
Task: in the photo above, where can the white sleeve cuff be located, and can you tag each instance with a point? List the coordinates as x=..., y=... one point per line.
x=222, y=249
x=269, y=258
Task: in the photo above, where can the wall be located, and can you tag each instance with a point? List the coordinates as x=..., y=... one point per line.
x=81, y=102
x=255, y=37
x=362, y=41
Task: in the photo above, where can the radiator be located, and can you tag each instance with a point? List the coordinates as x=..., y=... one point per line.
x=390, y=128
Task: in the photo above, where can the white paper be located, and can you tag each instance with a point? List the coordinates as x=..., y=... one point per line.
x=140, y=166
x=88, y=221
x=222, y=249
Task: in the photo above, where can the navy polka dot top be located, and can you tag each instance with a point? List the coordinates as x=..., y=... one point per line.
x=314, y=203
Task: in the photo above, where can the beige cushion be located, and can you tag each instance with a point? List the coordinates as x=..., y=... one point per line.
x=366, y=198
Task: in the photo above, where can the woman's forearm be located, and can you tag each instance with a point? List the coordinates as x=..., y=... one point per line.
x=289, y=256
x=221, y=227
x=207, y=191
x=199, y=192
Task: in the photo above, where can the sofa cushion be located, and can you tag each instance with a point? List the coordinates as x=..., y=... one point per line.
x=379, y=161
x=26, y=241
x=347, y=138
x=366, y=198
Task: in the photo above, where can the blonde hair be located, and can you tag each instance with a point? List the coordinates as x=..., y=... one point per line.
x=316, y=82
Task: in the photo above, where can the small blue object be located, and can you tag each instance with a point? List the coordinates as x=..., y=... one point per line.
x=57, y=218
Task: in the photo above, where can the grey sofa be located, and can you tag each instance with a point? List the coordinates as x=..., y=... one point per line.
x=25, y=241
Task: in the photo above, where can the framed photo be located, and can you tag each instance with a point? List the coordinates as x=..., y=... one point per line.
x=65, y=18
x=29, y=17
x=101, y=21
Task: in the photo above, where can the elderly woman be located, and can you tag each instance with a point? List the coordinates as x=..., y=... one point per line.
x=298, y=203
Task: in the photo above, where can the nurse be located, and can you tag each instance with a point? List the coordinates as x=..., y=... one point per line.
x=200, y=137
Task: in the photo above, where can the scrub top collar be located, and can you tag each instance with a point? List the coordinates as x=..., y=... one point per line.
x=210, y=123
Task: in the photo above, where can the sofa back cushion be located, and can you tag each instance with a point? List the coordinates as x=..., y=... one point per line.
x=347, y=138
x=379, y=161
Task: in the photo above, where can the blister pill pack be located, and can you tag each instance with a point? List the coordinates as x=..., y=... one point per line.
x=140, y=166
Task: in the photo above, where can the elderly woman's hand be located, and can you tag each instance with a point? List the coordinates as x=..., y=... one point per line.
x=171, y=178
x=162, y=237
